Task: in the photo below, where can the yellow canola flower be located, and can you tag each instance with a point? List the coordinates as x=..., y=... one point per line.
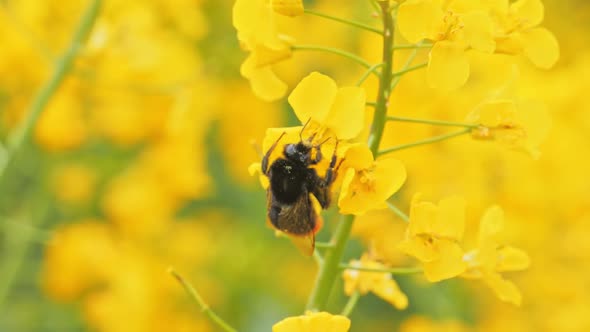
x=454, y=27
x=368, y=183
x=76, y=259
x=433, y=236
x=340, y=110
x=381, y=284
x=427, y=324
x=517, y=31
x=255, y=23
x=73, y=183
x=518, y=126
x=62, y=126
x=288, y=7
x=313, y=322
x=490, y=258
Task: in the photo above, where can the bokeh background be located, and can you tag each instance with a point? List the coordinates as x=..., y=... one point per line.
x=140, y=162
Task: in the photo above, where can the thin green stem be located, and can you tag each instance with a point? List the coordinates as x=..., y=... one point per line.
x=324, y=245
x=367, y=73
x=22, y=134
x=371, y=103
x=352, y=300
x=409, y=69
x=329, y=269
x=317, y=257
x=425, y=141
x=18, y=245
x=345, y=21
x=393, y=270
x=395, y=81
x=336, y=51
x=411, y=46
x=380, y=114
x=192, y=292
x=374, y=5
x=398, y=212
x=433, y=122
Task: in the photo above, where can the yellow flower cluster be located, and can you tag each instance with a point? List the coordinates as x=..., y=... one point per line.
x=457, y=26
x=434, y=236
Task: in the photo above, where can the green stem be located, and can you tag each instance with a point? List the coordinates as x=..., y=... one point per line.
x=329, y=270
x=336, y=51
x=399, y=212
x=425, y=141
x=18, y=245
x=409, y=61
x=345, y=21
x=352, y=300
x=393, y=270
x=374, y=5
x=200, y=302
x=409, y=69
x=317, y=257
x=324, y=245
x=22, y=134
x=380, y=115
x=432, y=122
x=367, y=73
x=371, y=103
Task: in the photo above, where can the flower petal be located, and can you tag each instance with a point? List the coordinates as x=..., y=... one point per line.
x=358, y=156
x=504, y=289
x=541, y=47
x=530, y=11
x=288, y=7
x=512, y=259
x=423, y=247
x=449, y=263
x=266, y=56
x=390, y=175
x=313, y=322
x=450, y=220
x=491, y=223
x=478, y=31
x=388, y=290
x=448, y=66
x=265, y=84
x=421, y=216
x=419, y=19
x=347, y=116
x=313, y=97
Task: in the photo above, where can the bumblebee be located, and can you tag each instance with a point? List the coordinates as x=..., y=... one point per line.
x=292, y=180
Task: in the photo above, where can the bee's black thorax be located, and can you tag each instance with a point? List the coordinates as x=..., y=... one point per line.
x=289, y=180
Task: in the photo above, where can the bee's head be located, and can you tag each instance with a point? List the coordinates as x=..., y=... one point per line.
x=299, y=152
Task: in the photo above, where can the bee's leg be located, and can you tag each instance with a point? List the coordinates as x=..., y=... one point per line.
x=332, y=169
x=317, y=158
x=268, y=153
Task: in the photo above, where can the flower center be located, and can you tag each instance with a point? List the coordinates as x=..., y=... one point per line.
x=450, y=27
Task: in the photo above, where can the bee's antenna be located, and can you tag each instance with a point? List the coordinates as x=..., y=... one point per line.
x=302, y=129
x=324, y=141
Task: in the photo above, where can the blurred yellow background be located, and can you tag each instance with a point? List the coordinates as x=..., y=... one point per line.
x=140, y=162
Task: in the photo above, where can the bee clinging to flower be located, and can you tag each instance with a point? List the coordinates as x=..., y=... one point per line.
x=293, y=186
